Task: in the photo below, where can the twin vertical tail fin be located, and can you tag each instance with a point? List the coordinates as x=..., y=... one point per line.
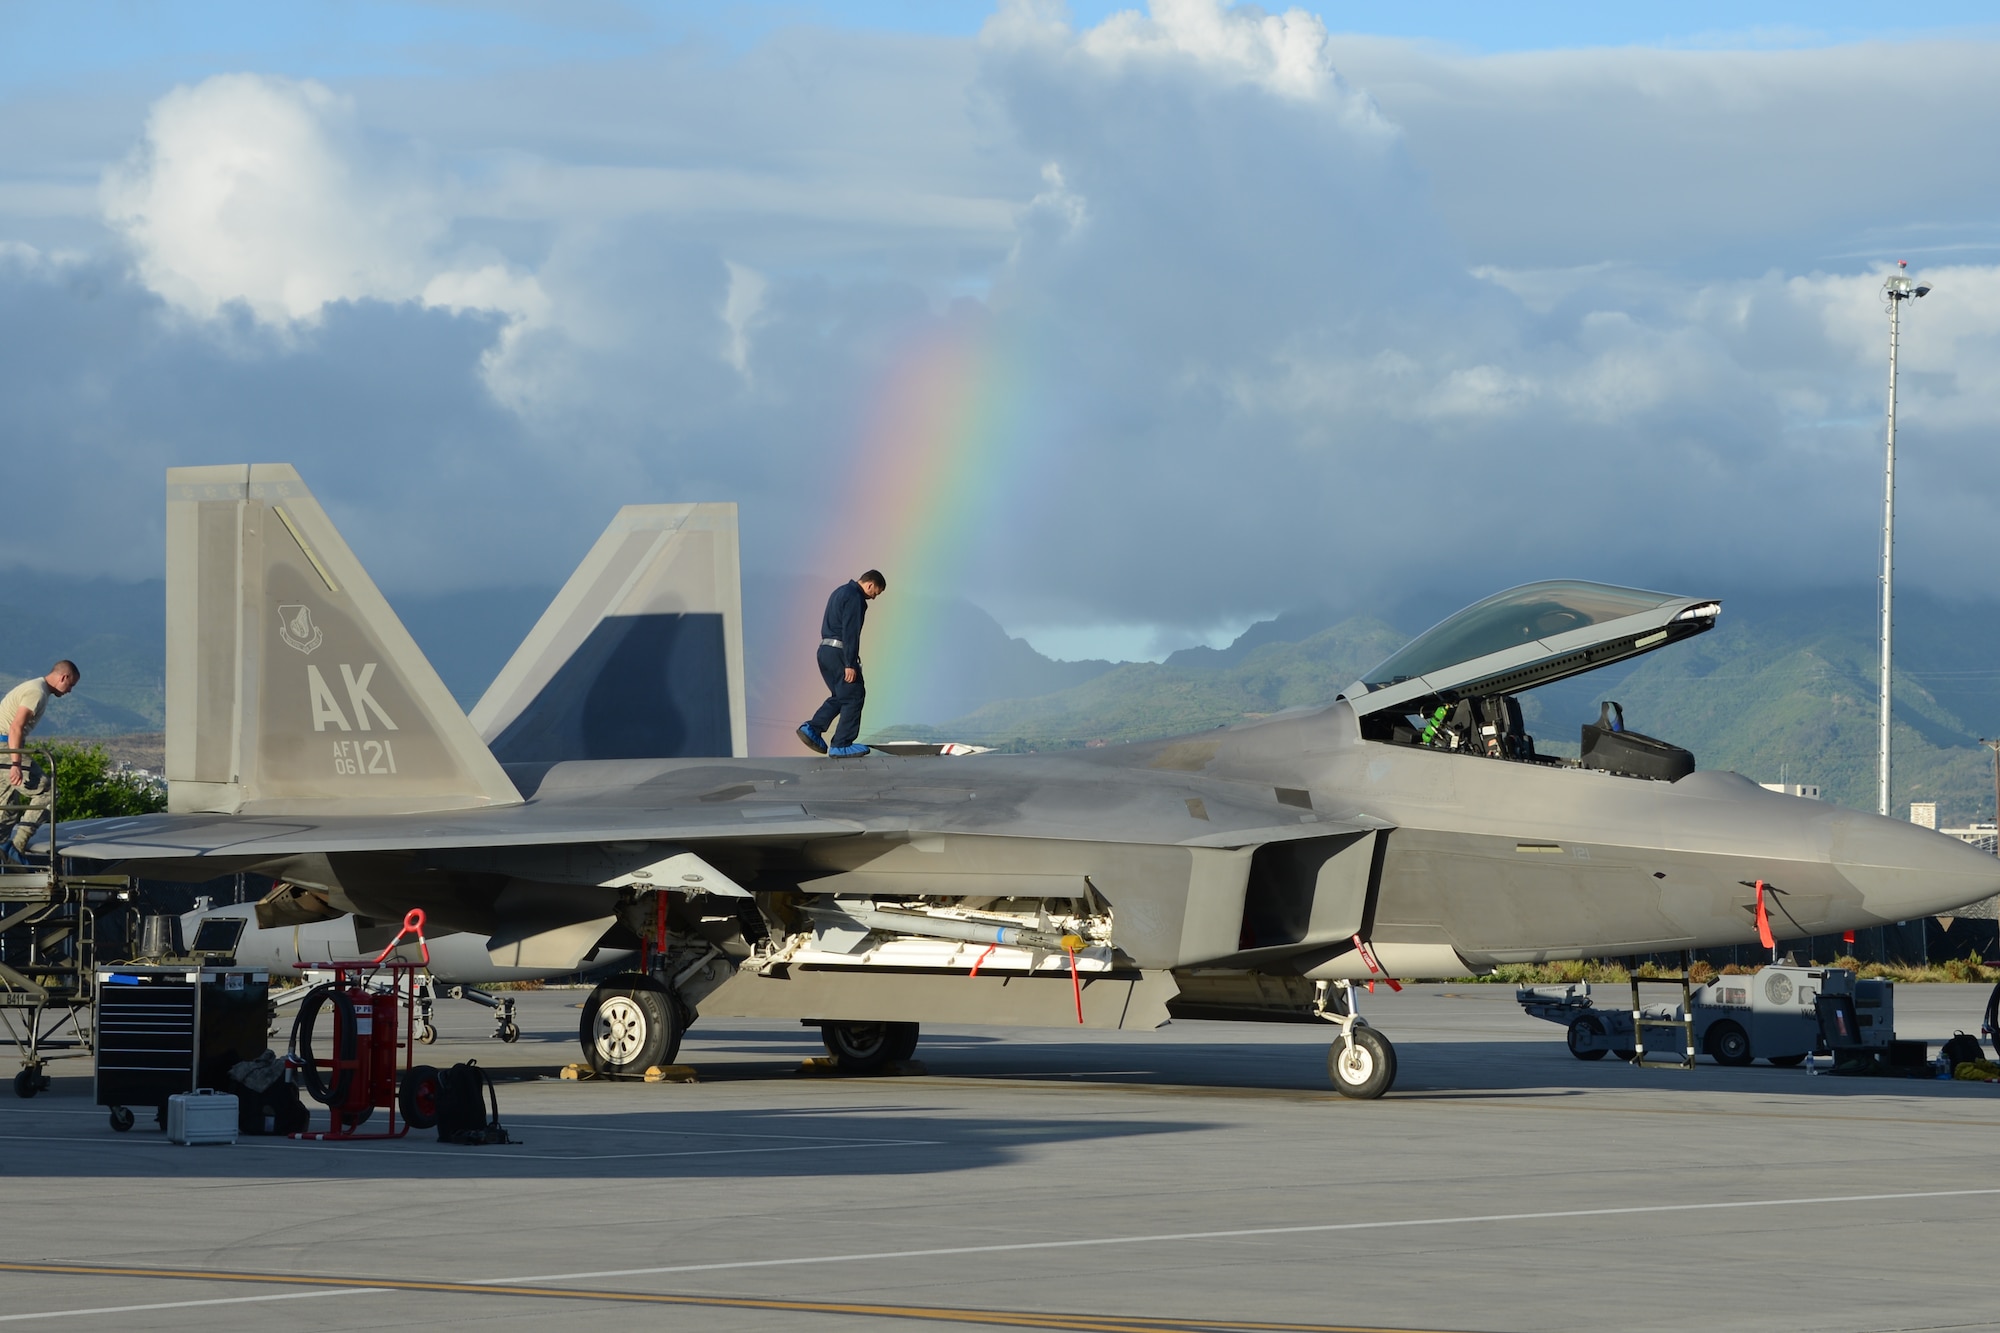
x=292, y=688
x=640, y=656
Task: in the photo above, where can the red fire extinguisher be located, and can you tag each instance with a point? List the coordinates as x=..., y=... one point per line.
x=369, y=1022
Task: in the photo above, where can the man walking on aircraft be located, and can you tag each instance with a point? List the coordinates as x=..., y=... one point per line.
x=840, y=665
x=24, y=803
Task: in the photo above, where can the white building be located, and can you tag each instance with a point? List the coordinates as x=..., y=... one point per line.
x=1982, y=836
x=1808, y=791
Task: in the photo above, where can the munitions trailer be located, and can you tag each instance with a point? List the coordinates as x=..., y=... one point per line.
x=1776, y=1014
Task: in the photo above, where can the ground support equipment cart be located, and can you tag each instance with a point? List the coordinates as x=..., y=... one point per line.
x=373, y=1005
x=1779, y=1013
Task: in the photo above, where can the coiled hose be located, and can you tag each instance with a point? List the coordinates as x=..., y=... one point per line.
x=347, y=1040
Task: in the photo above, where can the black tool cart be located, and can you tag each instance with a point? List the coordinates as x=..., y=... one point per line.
x=163, y=1030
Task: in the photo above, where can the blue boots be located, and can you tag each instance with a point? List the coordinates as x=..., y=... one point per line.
x=812, y=741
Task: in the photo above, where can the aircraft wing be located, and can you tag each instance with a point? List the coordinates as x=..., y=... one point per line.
x=154, y=837
x=789, y=802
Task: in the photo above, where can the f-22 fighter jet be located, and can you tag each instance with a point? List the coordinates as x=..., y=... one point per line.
x=1407, y=830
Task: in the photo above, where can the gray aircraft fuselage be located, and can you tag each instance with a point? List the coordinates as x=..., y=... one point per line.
x=1498, y=861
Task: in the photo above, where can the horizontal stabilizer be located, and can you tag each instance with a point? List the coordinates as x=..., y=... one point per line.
x=640, y=656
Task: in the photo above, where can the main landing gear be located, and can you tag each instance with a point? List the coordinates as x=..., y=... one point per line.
x=630, y=1023
x=1361, y=1061
x=863, y=1048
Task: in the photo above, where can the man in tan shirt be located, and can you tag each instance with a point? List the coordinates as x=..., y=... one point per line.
x=24, y=802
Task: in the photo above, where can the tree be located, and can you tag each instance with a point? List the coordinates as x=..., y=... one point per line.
x=88, y=787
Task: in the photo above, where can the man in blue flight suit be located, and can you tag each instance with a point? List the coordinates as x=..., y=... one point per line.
x=840, y=665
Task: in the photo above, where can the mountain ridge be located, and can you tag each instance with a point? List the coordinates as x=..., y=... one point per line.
x=1784, y=686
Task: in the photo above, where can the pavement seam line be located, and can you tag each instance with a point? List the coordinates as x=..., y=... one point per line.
x=185, y=1305
x=1078, y=1323
x=1317, y=1228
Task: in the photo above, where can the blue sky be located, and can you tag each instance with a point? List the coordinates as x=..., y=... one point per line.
x=47, y=43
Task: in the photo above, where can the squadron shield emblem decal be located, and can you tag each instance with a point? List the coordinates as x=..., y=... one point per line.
x=298, y=629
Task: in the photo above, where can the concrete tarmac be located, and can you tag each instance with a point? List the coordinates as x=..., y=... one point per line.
x=1204, y=1176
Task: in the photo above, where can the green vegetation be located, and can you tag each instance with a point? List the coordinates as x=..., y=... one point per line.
x=88, y=787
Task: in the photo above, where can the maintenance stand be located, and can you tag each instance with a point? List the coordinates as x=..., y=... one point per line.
x=48, y=952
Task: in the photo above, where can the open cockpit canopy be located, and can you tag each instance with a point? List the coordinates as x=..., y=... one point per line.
x=1529, y=636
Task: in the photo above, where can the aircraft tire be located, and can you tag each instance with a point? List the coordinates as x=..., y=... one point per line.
x=1588, y=1027
x=509, y=1033
x=417, y=1099
x=122, y=1119
x=426, y=1033
x=863, y=1048
x=1729, y=1044
x=1365, y=1070
x=26, y=1084
x=629, y=1025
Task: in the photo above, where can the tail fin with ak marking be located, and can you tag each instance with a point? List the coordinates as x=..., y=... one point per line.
x=292, y=688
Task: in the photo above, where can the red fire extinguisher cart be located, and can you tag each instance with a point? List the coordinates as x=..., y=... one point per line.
x=373, y=1005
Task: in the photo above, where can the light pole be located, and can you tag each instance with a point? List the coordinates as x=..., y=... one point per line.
x=1897, y=289
x=1994, y=745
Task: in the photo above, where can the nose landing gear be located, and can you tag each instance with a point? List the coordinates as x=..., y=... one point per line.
x=1361, y=1061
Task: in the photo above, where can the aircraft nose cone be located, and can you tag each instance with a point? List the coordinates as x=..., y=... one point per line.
x=1904, y=870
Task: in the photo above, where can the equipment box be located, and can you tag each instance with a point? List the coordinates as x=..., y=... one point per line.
x=164, y=1030
x=203, y=1116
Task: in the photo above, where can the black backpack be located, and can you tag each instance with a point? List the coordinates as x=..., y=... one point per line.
x=1961, y=1049
x=468, y=1110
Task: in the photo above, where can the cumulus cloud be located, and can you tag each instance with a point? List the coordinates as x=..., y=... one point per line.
x=1715, y=163
x=1284, y=53
x=258, y=190
x=269, y=192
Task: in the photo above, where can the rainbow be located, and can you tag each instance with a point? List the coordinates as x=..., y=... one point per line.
x=937, y=460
